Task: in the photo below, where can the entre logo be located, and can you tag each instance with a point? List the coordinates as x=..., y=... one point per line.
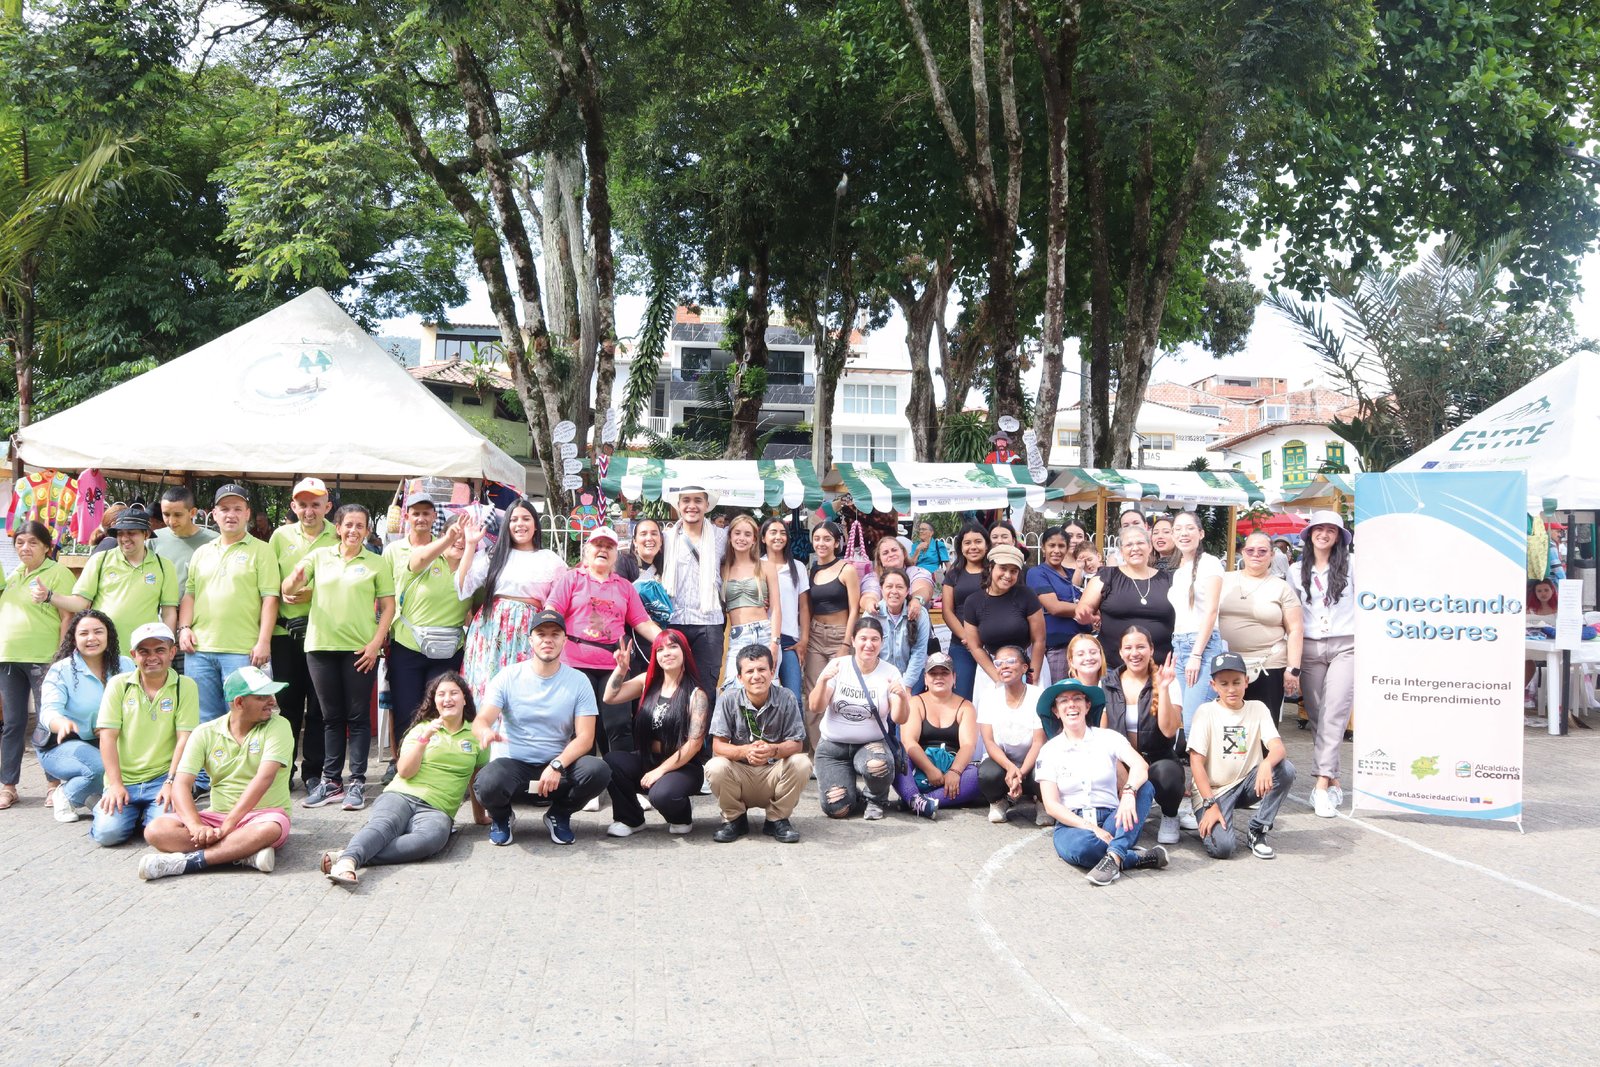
x=1531, y=410
x=1377, y=762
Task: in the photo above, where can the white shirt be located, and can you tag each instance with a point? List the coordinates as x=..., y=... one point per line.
x=1085, y=771
x=1185, y=575
x=789, y=590
x=848, y=719
x=1013, y=727
x=1321, y=618
x=529, y=574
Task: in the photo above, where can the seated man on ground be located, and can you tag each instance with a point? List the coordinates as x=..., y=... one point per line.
x=758, y=740
x=247, y=754
x=1237, y=759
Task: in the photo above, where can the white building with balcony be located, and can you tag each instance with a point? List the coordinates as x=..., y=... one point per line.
x=1165, y=438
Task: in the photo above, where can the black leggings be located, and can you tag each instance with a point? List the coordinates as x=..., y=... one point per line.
x=616, y=720
x=346, y=697
x=670, y=795
x=1166, y=775
x=297, y=702
x=1268, y=688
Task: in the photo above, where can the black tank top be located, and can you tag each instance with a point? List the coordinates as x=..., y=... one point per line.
x=948, y=736
x=830, y=597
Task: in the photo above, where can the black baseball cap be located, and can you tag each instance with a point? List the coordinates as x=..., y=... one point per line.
x=1228, y=661
x=549, y=617
x=231, y=489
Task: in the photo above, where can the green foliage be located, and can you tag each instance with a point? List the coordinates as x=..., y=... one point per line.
x=651, y=346
x=966, y=438
x=1425, y=349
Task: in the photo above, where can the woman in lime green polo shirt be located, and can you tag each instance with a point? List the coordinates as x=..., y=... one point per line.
x=349, y=622
x=413, y=818
x=31, y=626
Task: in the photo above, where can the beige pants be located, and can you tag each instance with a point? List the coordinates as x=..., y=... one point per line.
x=826, y=643
x=775, y=787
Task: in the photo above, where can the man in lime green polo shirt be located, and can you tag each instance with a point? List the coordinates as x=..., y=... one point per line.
x=230, y=602
x=298, y=700
x=424, y=570
x=247, y=754
x=133, y=585
x=145, y=718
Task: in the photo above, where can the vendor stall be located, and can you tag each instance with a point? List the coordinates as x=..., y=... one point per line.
x=928, y=488
x=1101, y=486
x=757, y=483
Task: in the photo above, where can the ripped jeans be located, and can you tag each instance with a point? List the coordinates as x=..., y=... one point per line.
x=837, y=766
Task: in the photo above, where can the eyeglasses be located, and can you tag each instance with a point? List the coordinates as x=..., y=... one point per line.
x=1258, y=551
x=1008, y=662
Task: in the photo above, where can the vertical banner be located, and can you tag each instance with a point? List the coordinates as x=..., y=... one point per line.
x=1440, y=574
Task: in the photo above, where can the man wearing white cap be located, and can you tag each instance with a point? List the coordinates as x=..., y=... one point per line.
x=145, y=718
x=298, y=700
x=247, y=755
x=230, y=603
x=692, y=573
x=599, y=606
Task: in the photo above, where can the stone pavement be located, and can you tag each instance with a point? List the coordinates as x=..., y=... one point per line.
x=1379, y=940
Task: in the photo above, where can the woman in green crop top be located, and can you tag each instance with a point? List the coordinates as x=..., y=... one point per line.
x=749, y=595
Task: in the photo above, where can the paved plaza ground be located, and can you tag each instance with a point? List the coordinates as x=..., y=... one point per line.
x=1378, y=940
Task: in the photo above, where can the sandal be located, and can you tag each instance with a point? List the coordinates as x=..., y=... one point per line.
x=343, y=871
x=327, y=859
x=8, y=796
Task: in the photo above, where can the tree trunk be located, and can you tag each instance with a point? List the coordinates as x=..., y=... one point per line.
x=25, y=340
x=833, y=351
x=1095, y=420
x=560, y=274
x=923, y=311
x=750, y=372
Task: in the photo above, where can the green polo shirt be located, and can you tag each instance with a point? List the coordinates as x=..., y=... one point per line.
x=426, y=599
x=233, y=764
x=148, y=729
x=448, y=764
x=29, y=632
x=344, y=613
x=228, y=583
x=290, y=544
x=131, y=595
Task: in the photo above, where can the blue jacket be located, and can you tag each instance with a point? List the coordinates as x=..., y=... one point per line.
x=905, y=644
x=70, y=690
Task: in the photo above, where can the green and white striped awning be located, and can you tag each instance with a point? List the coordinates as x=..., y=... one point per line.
x=757, y=483
x=1216, y=488
x=924, y=488
x=1319, y=492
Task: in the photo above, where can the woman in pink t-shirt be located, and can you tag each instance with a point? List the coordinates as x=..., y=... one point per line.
x=600, y=605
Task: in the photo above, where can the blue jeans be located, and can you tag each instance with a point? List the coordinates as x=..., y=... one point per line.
x=789, y=670
x=76, y=765
x=208, y=669
x=1200, y=692
x=140, y=810
x=1083, y=848
x=964, y=667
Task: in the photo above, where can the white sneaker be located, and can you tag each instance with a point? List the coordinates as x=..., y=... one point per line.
x=1042, y=817
x=62, y=806
x=998, y=811
x=162, y=865
x=1186, y=817
x=1168, y=833
x=679, y=828
x=593, y=805
x=644, y=802
x=264, y=860
x=622, y=829
x=1322, y=804
x=1336, y=795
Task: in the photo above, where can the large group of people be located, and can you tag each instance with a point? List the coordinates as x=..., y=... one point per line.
x=700, y=658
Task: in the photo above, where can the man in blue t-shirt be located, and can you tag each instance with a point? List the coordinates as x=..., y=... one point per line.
x=545, y=713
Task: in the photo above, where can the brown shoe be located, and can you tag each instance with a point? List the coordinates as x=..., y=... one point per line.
x=8, y=796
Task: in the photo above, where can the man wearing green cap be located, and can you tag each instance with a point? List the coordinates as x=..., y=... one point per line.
x=247, y=753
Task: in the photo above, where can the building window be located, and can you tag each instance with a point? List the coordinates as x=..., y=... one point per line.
x=1276, y=412
x=1266, y=464
x=1248, y=383
x=1335, y=456
x=1294, y=464
x=869, y=447
x=695, y=362
x=658, y=401
x=1160, y=442
x=1211, y=411
x=786, y=367
x=1068, y=438
x=869, y=400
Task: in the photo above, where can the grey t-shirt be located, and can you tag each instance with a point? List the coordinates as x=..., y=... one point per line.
x=179, y=550
x=778, y=722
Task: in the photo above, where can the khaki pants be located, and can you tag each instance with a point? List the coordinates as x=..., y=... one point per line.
x=826, y=643
x=775, y=787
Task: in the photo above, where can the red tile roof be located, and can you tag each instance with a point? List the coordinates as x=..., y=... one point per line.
x=457, y=372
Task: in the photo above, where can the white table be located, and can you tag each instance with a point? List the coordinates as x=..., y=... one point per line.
x=1536, y=650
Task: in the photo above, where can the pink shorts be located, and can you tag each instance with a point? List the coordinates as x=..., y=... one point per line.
x=276, y=815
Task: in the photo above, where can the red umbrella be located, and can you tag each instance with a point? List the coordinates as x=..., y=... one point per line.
x=1282, y=523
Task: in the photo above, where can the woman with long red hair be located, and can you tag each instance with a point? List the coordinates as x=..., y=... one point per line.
x=669, y=732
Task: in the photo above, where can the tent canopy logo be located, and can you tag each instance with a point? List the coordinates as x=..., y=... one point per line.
x=1531, y=410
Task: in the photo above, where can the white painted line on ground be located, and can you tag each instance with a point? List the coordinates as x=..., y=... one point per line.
x=997, y=945
x=1479, y=868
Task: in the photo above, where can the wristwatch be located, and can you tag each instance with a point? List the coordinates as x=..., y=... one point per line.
x=1294, y=672
x=557, y=766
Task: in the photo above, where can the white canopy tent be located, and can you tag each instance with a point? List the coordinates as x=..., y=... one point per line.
x=1549, y=428
x=300, y=390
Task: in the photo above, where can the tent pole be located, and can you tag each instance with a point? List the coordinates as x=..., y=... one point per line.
x=1100, y=520
x=1233, y=533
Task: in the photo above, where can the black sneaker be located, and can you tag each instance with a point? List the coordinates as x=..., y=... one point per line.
x=388, y=774
x=560, y=826
x=1105, y=872
x=1258, y=845
x=780, y=829
x=732, y=831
